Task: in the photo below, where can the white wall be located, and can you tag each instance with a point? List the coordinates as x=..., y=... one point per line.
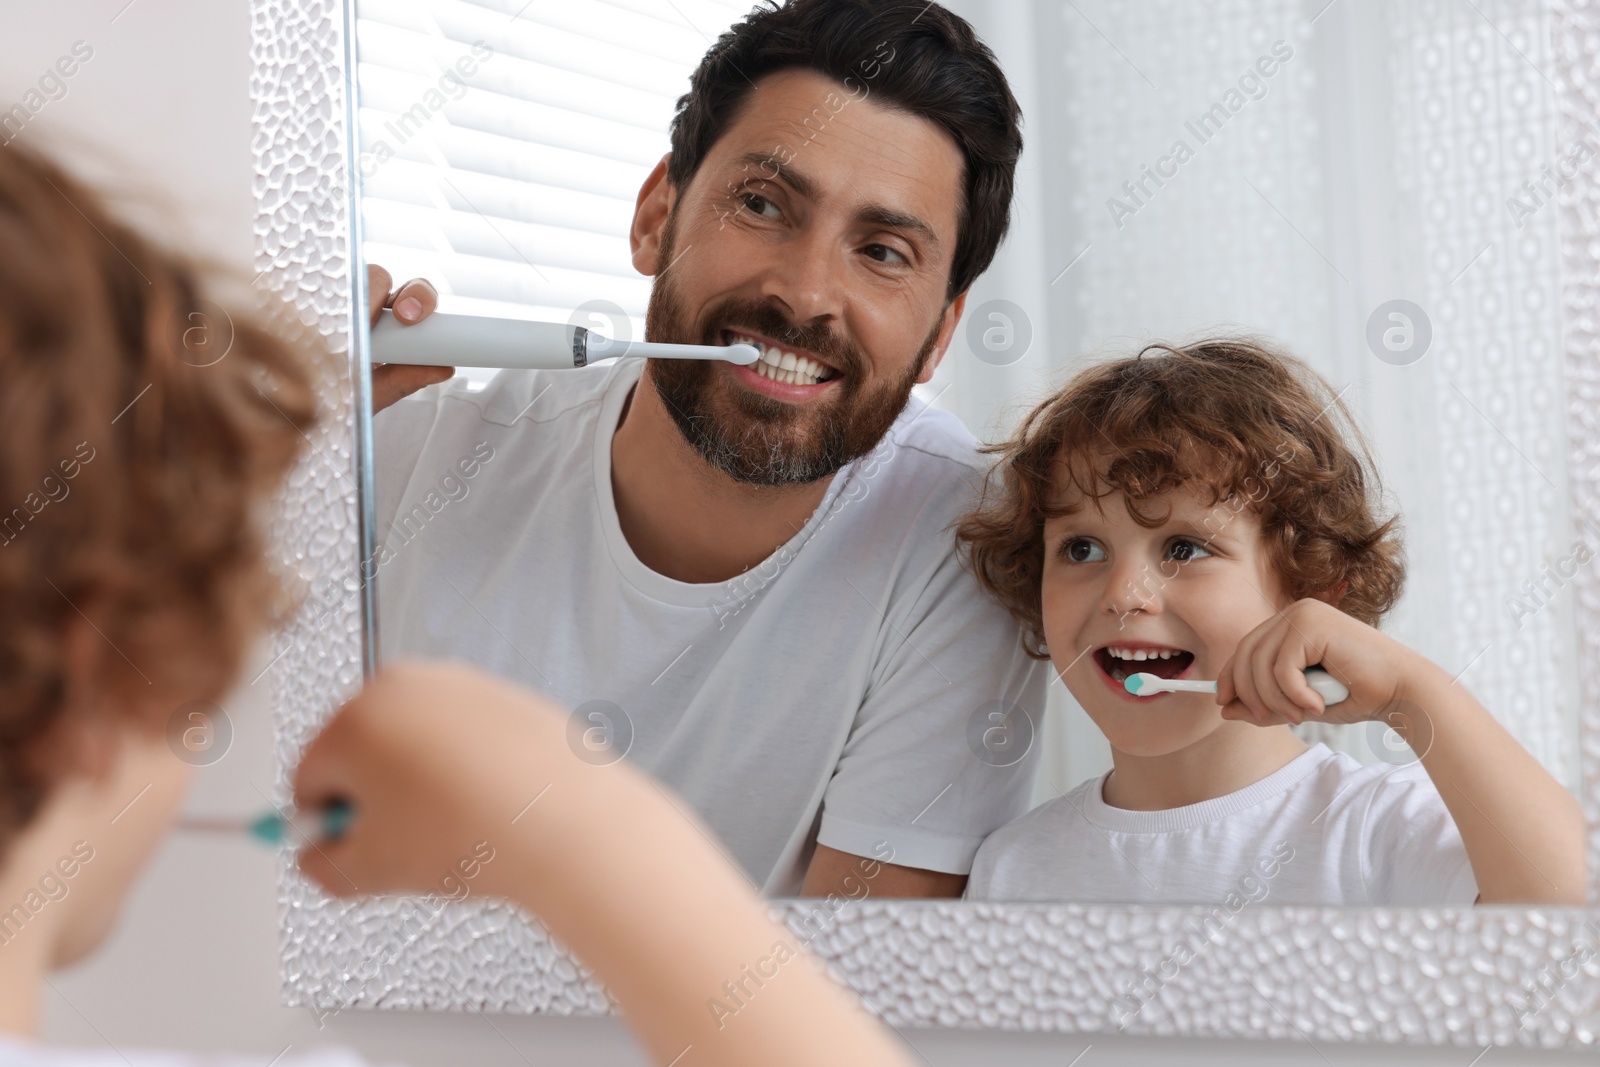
x=194, y=962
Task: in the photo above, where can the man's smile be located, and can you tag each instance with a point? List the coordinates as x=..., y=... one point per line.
x=786, y=372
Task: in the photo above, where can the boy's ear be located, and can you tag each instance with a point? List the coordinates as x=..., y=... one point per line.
x=1335, y=595
x=79, y=742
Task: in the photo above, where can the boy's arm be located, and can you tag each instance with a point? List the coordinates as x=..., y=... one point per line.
x=464, y=784
x=1523, y=832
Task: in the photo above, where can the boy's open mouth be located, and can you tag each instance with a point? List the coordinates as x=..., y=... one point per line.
x=1122, y=661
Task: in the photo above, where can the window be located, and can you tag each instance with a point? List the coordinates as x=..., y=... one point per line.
x=503, y=142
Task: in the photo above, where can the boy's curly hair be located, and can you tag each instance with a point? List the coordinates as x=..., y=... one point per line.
x=1232, y=414
x=142, y=430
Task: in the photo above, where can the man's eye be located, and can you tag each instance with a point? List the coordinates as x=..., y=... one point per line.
x=875, y=250
x=1183, y=550
x=1082, y=550
x=761, y=206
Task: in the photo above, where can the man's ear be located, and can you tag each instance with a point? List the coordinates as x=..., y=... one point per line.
x=650, y=212
x=950, y=318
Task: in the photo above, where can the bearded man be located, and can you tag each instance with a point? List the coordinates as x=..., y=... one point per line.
x=744, y=577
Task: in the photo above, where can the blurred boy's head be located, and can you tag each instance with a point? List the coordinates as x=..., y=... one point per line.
x=141, y=431
x=1159, y=508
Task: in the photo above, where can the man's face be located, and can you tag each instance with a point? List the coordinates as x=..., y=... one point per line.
x=820, y=226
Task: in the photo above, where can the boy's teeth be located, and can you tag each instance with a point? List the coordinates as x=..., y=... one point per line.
x=1141, y=653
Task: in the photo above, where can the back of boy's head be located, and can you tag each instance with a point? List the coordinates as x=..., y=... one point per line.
x=1247, y=424
x=140, y=433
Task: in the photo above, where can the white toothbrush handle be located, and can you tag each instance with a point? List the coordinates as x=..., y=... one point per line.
x=1326, y=685
x=1170, y=685
x=446, y=340
x=1330, y=689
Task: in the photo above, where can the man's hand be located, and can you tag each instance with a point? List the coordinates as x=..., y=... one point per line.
x=411, y=303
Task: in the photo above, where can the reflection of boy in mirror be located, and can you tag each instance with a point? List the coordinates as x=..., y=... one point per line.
x=1196, y=512
x=750, y=569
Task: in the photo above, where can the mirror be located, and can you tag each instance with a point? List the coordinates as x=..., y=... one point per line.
x=1371, y=187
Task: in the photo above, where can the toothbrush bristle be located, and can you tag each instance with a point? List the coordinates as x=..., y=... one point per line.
x=1136, y=682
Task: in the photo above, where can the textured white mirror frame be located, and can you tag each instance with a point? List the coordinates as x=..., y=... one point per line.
x=1473, y=977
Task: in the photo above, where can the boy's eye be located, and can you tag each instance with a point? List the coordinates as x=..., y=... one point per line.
x=1183, y=550
x=1082, y=550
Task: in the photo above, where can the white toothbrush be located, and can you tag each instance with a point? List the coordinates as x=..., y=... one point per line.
x=1326, y=685
x=482, y=341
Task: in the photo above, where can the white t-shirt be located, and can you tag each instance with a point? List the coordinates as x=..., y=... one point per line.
x=1323, y=829
x=15, y=1053
x=827, y=695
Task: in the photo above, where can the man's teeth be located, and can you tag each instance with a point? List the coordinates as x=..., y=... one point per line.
x=785, y=367
x=1142, y=653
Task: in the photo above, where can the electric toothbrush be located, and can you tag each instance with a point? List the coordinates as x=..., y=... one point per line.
x=1329, y=688
x=442, y=340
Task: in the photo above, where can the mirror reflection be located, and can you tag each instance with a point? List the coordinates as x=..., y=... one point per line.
x=1152, y=487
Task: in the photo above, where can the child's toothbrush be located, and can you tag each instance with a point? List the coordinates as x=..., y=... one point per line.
x=315, y=827
x=1327, y=686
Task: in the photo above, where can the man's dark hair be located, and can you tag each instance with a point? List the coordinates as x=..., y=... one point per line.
x=938, y=70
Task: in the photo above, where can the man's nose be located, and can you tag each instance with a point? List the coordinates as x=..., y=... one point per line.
x=807, y=278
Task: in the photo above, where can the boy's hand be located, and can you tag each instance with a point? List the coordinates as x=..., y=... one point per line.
x=436, y=759
x=1263, y=681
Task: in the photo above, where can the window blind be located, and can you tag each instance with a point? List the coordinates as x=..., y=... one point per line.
x=503, y=142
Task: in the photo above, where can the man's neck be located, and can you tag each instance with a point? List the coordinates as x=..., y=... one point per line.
x=684, y=518
x=1230, y=758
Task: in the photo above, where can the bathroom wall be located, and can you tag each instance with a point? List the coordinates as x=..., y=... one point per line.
x=161, y=109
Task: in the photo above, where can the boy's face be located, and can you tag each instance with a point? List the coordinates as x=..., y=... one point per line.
x=1188, y=589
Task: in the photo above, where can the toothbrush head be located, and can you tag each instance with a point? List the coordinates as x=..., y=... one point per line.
x=1142, y=680
x=743, y=354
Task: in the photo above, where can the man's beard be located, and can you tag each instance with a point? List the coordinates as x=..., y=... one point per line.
x=754, y=438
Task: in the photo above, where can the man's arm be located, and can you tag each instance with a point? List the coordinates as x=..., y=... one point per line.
x=832, y=871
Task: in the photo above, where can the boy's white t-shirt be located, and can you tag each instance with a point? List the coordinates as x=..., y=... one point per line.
x=832, y=694
x=1323, y=829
